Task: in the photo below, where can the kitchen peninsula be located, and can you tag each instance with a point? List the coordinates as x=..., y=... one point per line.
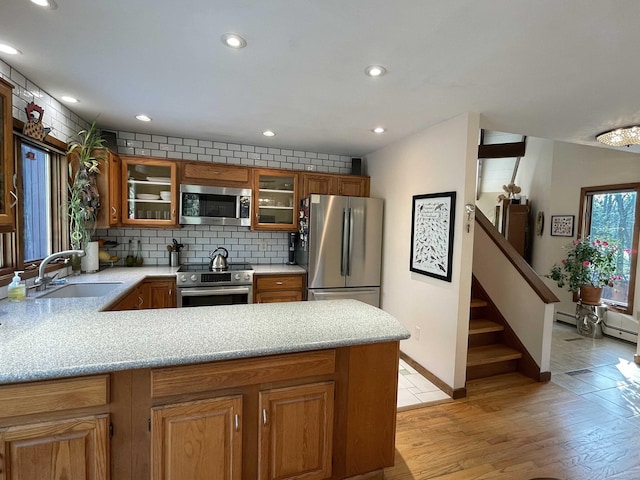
x=238, y=392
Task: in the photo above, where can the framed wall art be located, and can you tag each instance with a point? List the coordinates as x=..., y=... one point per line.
x=433, y=217
x=562, y=225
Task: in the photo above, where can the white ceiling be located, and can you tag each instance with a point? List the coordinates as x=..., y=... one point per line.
x=562, y=70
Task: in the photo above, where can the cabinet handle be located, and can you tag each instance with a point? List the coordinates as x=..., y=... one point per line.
x=114, y=210
x=170, y=291
x=140, y=301
x=264, y=416
x=237, y=422
x=279, y=283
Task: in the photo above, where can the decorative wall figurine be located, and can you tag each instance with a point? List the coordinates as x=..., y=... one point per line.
x=34, y=127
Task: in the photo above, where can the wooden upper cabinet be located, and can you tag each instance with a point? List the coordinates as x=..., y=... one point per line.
x=7, y=217
x=215, y=174
x=353, y=186
x=275, y=200
x=149, y=192
x=109, y=186
x=331, y=184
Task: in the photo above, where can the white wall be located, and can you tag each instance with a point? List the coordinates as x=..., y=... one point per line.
x=439, y=159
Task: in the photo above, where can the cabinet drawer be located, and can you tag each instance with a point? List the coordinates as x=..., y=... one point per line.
x=53, y=396
x=279, y=282
x=200, y=172
x=235, y=373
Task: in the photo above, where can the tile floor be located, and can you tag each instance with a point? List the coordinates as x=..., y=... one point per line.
x=414, y=389
x=600, y=370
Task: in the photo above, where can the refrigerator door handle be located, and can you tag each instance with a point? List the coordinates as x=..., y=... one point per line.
x=350, y=243
x=344, y=260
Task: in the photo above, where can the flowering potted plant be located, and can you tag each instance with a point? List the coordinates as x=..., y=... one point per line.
x=588, y=264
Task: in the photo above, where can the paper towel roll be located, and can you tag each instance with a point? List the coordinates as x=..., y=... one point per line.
x=91, y=260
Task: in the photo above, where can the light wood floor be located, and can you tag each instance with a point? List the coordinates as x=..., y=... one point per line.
x=513, y=428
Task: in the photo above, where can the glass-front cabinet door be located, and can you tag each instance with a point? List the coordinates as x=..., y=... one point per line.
x=7, y=193
x=275, y=201
x=149, y=193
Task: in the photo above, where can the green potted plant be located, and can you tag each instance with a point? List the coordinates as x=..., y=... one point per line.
x=588, y=267
x=84, y=155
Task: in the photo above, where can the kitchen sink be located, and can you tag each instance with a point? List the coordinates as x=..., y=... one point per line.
x=75, y=290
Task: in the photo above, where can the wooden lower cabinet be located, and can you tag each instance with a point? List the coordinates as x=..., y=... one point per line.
x=295, y=439
x=158, y=292
x=197, y=440
x=326, y=414
x=278, y=288
x=76, y=449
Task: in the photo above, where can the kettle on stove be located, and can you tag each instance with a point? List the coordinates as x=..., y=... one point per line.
x=218, y=260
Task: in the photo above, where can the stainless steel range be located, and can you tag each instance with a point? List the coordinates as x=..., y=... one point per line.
x=199, y=286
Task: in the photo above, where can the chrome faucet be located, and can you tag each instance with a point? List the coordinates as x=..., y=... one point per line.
x=43, y=280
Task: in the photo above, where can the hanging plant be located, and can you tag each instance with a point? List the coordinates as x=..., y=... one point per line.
x=84, y=155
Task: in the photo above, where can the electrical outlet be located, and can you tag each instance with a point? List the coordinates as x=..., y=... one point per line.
x=311, y=168
x=263, y=246
x=417, y=335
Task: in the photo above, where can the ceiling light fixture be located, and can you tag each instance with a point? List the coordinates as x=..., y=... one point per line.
x=68, y=99
x=269, y=133
x=378, y=130
x=232, y=40
x=375, y=70
x=143, y=118
x=50, y=4
x=8, y=49
x=621, y=137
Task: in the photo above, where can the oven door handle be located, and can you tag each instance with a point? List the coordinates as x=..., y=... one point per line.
x=205, y=292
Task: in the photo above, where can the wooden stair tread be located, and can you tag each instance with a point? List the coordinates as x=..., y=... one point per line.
x=478, y=302
x=481, y=325
x=488, y=354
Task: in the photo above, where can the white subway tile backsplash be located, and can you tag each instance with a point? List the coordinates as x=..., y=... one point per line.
x=159, y=138
x=234, y=146
x=143, y=137
x=174, y=141
x=220, y=145
x=190, y=141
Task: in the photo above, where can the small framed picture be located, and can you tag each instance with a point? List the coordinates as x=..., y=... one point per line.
x=562, y=225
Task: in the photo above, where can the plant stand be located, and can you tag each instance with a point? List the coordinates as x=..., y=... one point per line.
x=589, y=319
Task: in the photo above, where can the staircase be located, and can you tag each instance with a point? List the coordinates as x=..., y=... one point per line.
x=492, y=350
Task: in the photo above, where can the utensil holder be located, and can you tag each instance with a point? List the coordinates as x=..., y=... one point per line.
x=174, y=259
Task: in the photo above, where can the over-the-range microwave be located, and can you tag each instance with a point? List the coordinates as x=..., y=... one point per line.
x=203, y=205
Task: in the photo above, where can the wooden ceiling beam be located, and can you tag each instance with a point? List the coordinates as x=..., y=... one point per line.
x=502, y=150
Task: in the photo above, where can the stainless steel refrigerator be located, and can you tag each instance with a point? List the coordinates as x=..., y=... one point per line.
x=340, y=246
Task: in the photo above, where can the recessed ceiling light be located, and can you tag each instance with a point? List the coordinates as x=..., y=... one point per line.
x=375, y=70
x=233, y=41
x=50, y=4
x=378, y=130
x=143, y=118
x=269, y=133
x=68, y=99
x=9, y=50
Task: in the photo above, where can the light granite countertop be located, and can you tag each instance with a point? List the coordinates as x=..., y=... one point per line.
x=44, y=338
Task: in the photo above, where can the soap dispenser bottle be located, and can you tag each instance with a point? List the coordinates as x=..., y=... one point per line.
x=17, y=289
